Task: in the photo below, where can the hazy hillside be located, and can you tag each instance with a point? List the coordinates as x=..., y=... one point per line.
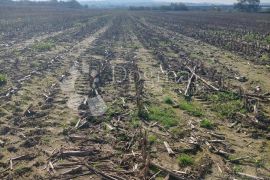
x=119, y=3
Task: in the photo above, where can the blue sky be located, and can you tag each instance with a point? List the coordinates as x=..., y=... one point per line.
x=188, y=1
x=213, y=1
x=192, y=1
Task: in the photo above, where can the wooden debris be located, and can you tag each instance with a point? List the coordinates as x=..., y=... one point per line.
x=28, y=110
x=78, y=123
x=10, y=164
x=203, y=80
x=77, y=153
x=217, y=135
x=106, y=176
x=233, y=124
x=2, y=143
x=75, y=170
x=190, y=81
x=213, y=149
x=169, y=149
x=145, y=155
x=155, y=175
x=219, y=169
x=161, y=69
x=109, y=127
x=77, y=137
x=239, y=159
x=51, y=167
x=217, y=141
x=249, y=176
x=23, y=157
x=123, y=102
x=171, y=173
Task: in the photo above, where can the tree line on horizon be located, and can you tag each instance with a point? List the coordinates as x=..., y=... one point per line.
x=240, y=5
x=171, y=7
x=52, y=3
x=248, y=5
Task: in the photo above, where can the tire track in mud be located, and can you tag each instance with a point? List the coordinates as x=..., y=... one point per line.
x=36, y=38
x=253, y=72
x=35, y=130
x=236, y=140
x=68, y=85
x=50, y=61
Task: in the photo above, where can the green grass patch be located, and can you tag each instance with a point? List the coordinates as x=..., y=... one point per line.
x=226, y=104
x=178, y=132
x=3, y=79
x=191, y=108
x=250, y=37
x=205, y=123
x=237, y=168
x=267, y=39
x=20, y=171
x=152, y=139
x=185, y=160
x=166, y=116
x=44, y=46
x=135, y=122
x=73, y=122
x=265, y=57
x=228, y=109
x=168, y=100
x=223, y=96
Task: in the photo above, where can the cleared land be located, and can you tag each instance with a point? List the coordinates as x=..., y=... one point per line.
x=134, y=95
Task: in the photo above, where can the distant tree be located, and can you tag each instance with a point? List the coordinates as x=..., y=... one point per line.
x=178, y=7
x=248, y=5
x=171, y=7
x=73, y=4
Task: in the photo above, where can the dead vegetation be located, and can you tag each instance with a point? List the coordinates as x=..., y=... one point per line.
x=129, y=100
